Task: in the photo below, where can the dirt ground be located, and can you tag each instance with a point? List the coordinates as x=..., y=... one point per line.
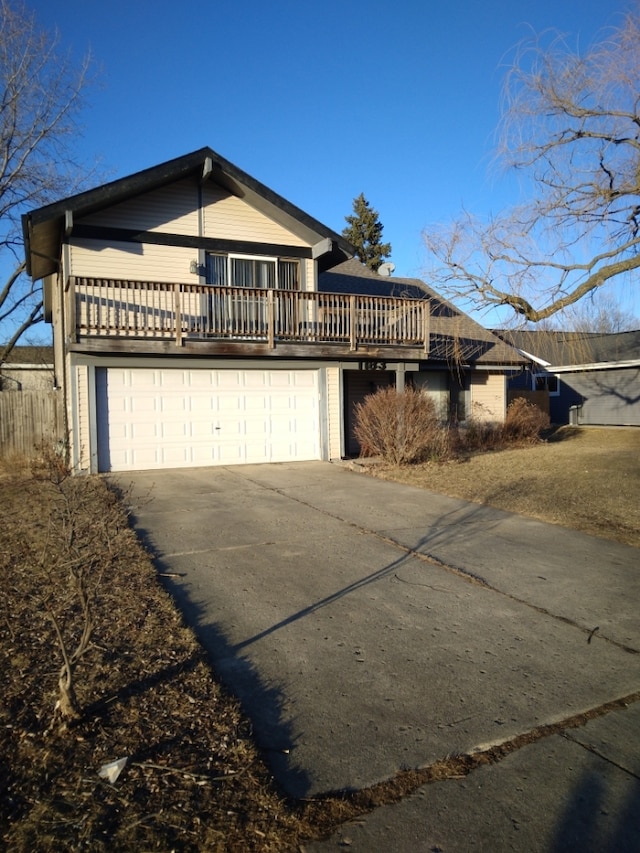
x=193, y=778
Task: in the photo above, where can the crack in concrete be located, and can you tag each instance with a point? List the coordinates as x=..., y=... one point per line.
x=407, y=782
x=601, y=755
x=464, y=574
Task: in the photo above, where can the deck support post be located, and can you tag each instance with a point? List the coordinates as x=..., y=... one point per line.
x=426, y=326
x=178, y=314
x=271, y=338
x=353, y=343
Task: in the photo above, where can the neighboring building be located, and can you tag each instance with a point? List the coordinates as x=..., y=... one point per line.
x=201, y=319
x=27, y=369
x=591, y=379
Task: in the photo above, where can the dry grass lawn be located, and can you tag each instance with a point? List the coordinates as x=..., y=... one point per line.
x=587, y=479
x=194, y=778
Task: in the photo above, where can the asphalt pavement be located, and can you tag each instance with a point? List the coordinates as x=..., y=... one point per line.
x=370, y=628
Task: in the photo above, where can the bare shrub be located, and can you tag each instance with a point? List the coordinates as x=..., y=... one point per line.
x=401, y=427
x=75, y=550
x=480, y=435
x=524, y=423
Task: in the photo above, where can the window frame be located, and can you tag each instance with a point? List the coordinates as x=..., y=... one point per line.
x=546, y=377
x=229, y=257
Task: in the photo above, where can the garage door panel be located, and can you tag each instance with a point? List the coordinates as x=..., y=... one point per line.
x=174, y=418
x=200, y=380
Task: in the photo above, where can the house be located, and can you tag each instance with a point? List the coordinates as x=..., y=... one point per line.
x=201, y=319
x=27, y=368
x=590, y=378
x=466, y=366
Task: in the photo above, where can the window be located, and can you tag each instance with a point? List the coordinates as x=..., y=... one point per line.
x=545, y=382
x=288, y=275
x=245, y=271
x=436, y=384
x=252, y=272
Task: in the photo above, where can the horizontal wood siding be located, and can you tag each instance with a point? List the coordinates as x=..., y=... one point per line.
x=488, y=396
x=228, y=217
x=93, y=259
x=309, y=279
x=30, y=421
x=334, y=409
x=82, y=439
x=172, y=209
x=609, y=397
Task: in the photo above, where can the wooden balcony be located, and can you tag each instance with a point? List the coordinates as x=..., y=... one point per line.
x=211, y=319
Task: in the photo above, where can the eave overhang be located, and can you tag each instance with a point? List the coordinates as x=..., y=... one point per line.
x=596, y=365
x=44, y=228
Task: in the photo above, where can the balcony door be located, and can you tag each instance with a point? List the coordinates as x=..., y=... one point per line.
x=241, y=311
x=253, y=272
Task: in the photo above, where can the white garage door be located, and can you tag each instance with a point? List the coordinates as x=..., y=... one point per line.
x=177, y=418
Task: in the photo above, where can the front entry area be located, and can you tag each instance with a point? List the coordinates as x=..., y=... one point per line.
x=358, y=385
x=170, y=418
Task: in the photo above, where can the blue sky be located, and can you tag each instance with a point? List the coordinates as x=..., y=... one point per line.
x=318, y=100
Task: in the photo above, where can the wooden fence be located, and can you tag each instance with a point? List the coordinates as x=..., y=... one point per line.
x=30, y=421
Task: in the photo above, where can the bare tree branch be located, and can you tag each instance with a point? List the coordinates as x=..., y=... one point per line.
x=41, y=92
x=36, y=316
x=571, y=124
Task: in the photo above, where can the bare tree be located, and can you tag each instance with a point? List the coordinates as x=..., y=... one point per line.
x=600, y=313
x=40, y=98
x=571, y=126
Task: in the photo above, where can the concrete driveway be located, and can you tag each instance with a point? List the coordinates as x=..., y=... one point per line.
x=369, y=627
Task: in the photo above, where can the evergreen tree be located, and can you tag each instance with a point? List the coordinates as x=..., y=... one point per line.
x=364, y=232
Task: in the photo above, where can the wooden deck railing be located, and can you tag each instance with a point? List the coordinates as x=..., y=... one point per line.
x=115, y=308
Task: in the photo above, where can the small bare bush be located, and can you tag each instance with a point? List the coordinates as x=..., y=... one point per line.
x=70, y=558
x=524, y=423
x=401, y=427
x=480, y=435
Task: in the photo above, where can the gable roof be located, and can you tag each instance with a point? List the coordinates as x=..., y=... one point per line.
x=455, y=337
x=565, y=349
x=43, y=229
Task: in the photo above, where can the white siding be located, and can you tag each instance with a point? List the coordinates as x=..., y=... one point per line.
x=172, y=209
x=334, y=411
x=309, y=278
x=93, y=259
x=82, y=439
x=230, y=218
x=488, y=396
